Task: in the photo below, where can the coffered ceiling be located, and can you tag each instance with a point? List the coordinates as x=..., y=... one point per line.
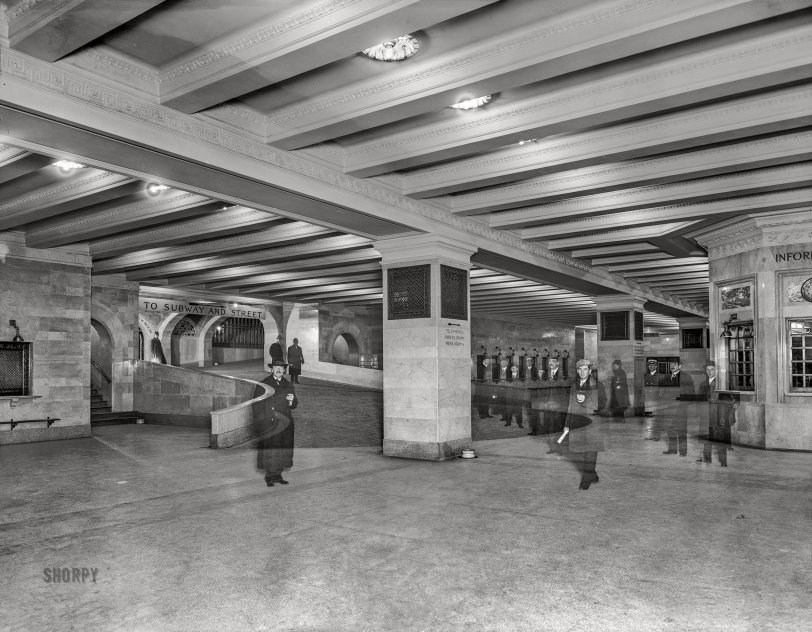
x=615, y=131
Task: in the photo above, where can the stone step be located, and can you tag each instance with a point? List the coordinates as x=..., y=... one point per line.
x=111, y=418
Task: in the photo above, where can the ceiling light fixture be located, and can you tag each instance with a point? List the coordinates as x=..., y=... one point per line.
x=155, y=188
x=394, y=50
x=67, y=165
x=470, y=104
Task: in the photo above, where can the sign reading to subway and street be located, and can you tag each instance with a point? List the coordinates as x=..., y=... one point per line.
x=231, y=310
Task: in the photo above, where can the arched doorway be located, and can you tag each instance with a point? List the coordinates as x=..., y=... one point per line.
x=101, y=359
x=345, y=350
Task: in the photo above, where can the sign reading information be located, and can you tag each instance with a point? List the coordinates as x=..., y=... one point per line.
x=176, y=307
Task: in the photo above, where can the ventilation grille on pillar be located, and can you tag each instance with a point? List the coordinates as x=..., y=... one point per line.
x=453, y=293
x=15, y=368
x=638, y=325
x=409, y=293
x=614, y=325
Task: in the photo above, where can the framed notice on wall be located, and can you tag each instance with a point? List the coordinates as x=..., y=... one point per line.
x=692, y=338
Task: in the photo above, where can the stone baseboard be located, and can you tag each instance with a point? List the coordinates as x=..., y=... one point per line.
x=21, y=434
x=427, y=451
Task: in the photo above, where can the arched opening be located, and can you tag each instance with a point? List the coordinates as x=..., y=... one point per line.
x=237, y=340
x=345, y=350
x=101, y=360
x=183, y=346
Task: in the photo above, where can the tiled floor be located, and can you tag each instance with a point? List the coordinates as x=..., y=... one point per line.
x=186, y=538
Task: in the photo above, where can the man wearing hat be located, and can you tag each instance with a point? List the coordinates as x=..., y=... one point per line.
x=273, y=421
x=582, y=438
x=277, y=353
x=619, y=395
x=651, y=383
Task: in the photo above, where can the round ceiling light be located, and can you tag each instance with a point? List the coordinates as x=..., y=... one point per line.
x=395, y=50
x=470, y=104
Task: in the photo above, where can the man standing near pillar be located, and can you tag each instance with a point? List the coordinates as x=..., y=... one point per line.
x=295, y=360
x=679, y=412
x=619, y=395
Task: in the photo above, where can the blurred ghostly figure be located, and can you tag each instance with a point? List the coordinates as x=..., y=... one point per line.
x=716, y=421
x=157, y=350
x=273, y=421
x=582, y=438
x=515, y=392
x=680, y=407
x=619, y=391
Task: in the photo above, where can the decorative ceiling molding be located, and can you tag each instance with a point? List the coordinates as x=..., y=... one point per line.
x=635, y=173
x=782, y=105
x=82, y=90
x=531, y=46
x=753, y=232
x=725, y=64
x=255, y=37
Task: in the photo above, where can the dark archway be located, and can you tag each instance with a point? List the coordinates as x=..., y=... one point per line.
x=101, y=359
x=345, y=350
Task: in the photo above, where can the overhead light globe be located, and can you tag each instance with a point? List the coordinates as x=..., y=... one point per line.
x=66, y=166
x=470, y=104
x=394, y=50
x=154, y=188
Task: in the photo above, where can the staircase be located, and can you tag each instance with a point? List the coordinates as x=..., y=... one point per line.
x=102, y=415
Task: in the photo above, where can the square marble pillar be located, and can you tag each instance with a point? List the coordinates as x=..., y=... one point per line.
x=624, y=343
x=426, y=347
x=694, y=346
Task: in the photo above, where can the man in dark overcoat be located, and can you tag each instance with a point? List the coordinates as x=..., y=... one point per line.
x=618, y=391
x=295, y=360
x=277, y=353
x=273, y=420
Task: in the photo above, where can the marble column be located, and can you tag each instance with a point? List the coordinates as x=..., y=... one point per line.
x=426, y=347
x=620, y=337
x=693, y=346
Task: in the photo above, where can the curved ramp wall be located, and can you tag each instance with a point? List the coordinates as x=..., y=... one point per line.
x=164, y=394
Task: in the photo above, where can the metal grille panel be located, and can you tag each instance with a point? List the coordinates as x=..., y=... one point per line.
x=15, y=368
x=614, y=325
x=409, y=292
x=239, y=333
x=184, y=328
x=453, y=293
x=638, y=325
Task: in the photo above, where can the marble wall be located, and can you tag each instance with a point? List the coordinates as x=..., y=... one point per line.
x=48, y=293
x=756, y=272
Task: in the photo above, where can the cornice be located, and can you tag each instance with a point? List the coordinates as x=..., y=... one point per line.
x=296, y=229
x=127, y=74
x=105, y=178
x=255, y=38
x=86, y=91
x=664, y=128
x=80, y=224
x=117, y=281
x=20, y=9
x=12, y=248
x=671, y=74
x=753, y=232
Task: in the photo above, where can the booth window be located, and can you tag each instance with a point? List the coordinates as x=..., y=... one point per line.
x=800, y=342
x=239, y=333
x=740, y=341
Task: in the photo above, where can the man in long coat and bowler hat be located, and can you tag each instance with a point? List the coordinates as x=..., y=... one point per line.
x=273, y=420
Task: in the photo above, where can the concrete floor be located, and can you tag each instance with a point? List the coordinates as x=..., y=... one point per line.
x=186, y=538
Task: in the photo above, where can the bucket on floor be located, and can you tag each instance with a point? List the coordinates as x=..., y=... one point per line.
x=468, y=454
